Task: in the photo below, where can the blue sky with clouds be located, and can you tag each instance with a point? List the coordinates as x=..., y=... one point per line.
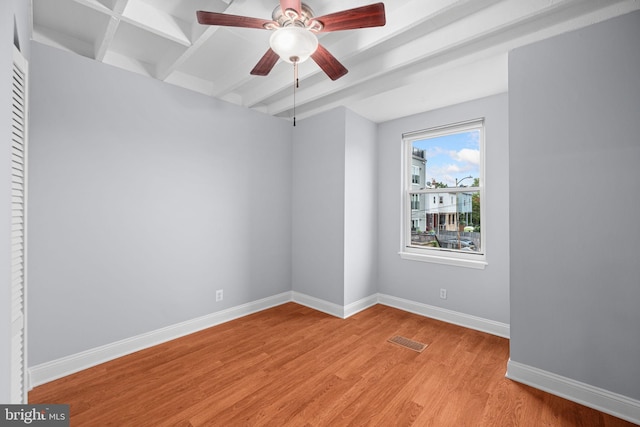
x=452, y=157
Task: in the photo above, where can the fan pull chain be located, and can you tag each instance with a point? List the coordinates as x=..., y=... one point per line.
x=295, y=86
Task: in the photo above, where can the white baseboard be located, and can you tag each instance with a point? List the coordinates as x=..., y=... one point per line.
x=358, y=306
x=603, y=400
x=334, y=309
x=49, y=371
x=468, y=321
x=318, y=304
x=449, y=316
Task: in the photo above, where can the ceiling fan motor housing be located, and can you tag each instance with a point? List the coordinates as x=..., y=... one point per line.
x=290, y=17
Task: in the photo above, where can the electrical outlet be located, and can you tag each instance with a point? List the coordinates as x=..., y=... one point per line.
x=219, y=295
x=443, y=293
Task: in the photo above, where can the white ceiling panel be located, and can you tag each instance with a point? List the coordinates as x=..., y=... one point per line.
x=69, y=20
x=142, y=45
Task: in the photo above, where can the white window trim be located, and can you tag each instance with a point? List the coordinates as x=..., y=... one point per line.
x=440, y=256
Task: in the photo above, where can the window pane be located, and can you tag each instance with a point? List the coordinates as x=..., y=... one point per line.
x=454, y=226
x=442, y=217
x=449, y=160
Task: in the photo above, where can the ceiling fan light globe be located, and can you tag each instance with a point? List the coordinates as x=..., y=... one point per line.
x=293, y=44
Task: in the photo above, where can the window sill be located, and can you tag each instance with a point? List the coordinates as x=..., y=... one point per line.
x=446, y=260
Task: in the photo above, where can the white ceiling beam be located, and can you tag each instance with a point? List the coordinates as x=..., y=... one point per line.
x=405, y=24
x=102, y=45
x=166, y=69
x=505, y=21
x=522, y=32
x=95, y=5
x=461, y=81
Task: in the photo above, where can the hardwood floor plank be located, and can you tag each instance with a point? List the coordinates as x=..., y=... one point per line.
x=293, y=366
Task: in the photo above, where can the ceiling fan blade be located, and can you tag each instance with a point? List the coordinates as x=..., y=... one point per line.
x=291, y=4
x=329, y=64
x=266, y=63
x=359, y=17
x=215, y=18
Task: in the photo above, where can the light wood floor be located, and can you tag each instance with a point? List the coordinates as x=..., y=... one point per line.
x=293, y=366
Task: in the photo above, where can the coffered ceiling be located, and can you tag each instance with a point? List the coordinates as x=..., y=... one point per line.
x=431, y=53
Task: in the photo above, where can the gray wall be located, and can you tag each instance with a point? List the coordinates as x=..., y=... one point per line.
x=574, y=107
x=360, y=209
x=144, y=199
x=11, y=12
x=318, y=206
x=334, y=201
x=482, y=293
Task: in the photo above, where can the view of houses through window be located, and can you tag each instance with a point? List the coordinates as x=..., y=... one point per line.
x=444, y=188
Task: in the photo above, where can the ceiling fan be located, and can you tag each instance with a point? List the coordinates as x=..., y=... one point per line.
x=295, y=27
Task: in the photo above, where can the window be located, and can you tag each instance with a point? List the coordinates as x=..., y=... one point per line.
x=415, y=174
x=415, y=201
x=452, y=168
